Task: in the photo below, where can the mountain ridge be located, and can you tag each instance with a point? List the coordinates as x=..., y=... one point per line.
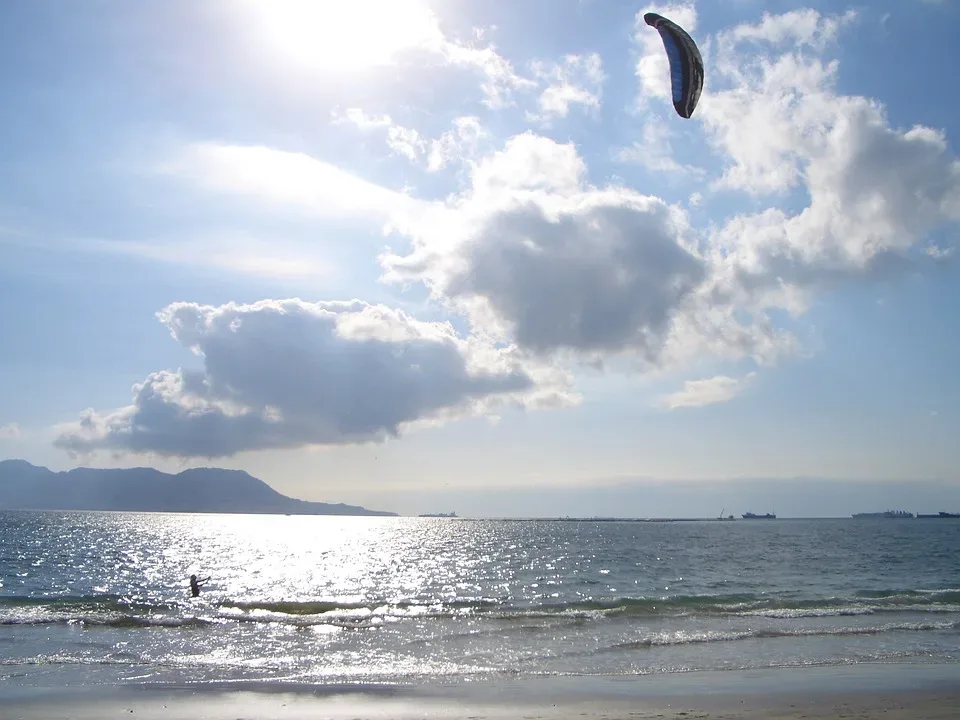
x=24, y=486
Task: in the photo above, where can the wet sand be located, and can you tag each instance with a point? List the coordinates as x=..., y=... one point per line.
x=890, y=692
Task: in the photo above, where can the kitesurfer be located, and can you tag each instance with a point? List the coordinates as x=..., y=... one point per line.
x=196, y=584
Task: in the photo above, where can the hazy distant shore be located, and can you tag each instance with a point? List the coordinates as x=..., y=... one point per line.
x=890, y=691
x=24, y=486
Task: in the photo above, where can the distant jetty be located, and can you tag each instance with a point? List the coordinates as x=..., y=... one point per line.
x=903, y=514
x=888, y=514
x=439, y=515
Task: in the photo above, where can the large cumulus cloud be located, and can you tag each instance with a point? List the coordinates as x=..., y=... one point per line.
x=534, y=253
x=281, y=374
x=531, y=251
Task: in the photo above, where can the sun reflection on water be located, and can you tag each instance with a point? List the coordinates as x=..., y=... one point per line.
x=308, y=598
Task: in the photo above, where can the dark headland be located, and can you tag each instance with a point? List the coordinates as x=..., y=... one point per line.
x=24, y=486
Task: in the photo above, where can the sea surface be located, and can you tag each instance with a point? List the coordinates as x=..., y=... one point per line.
x=102, y=598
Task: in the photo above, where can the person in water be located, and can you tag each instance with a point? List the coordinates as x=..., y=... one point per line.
x=195, y=585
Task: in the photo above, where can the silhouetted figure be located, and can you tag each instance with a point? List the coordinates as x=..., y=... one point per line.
x=195, y=585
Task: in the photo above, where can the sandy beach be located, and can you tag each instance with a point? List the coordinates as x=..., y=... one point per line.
x=891, y=692
x=295, y=707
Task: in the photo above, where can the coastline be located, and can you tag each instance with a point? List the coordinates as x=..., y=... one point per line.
x=881, y=690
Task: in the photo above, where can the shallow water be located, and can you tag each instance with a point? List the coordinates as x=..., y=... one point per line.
x=102, y=597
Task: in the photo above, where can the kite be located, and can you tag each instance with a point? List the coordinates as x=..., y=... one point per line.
x=686, y=65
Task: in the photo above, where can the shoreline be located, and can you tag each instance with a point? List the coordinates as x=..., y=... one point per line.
x=887, y=690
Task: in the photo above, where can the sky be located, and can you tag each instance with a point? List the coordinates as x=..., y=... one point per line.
x=427, y=256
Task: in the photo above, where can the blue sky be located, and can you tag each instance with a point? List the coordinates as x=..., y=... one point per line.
x=407, y=253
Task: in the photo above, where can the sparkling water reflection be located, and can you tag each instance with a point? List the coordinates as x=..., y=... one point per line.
x=315, y=598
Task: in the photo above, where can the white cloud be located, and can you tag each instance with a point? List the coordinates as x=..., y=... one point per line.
x=289, y=180
x=406, y=141
x=286, y=373
x=940, y=253
x=10, y=431
x=875, y=192
x=655, y=152
x=575, y=80
x=709, y=391
x=765, y=121
x=454, y=146
x=234, y=252
x=779, y=104
x=799, y=28
x=500, y=81
x=528, y=163
x=712, y=324
x=356, y=116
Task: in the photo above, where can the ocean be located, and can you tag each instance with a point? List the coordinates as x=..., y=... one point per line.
x=103, y=598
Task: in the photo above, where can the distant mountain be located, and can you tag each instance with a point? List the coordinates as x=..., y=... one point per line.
x=28, y=487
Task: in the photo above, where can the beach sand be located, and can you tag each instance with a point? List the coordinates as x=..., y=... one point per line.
x=891, y=692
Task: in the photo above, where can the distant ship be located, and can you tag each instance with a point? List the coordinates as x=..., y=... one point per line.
x=752, y=516
x=443, y=515
x=940, y=515
x=894, y=514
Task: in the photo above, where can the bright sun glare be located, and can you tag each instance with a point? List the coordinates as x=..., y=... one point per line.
x=344, y=34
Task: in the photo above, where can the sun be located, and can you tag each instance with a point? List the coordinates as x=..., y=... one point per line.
x=343, y=35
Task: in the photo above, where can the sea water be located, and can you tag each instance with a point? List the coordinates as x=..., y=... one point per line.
x=104, y=597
